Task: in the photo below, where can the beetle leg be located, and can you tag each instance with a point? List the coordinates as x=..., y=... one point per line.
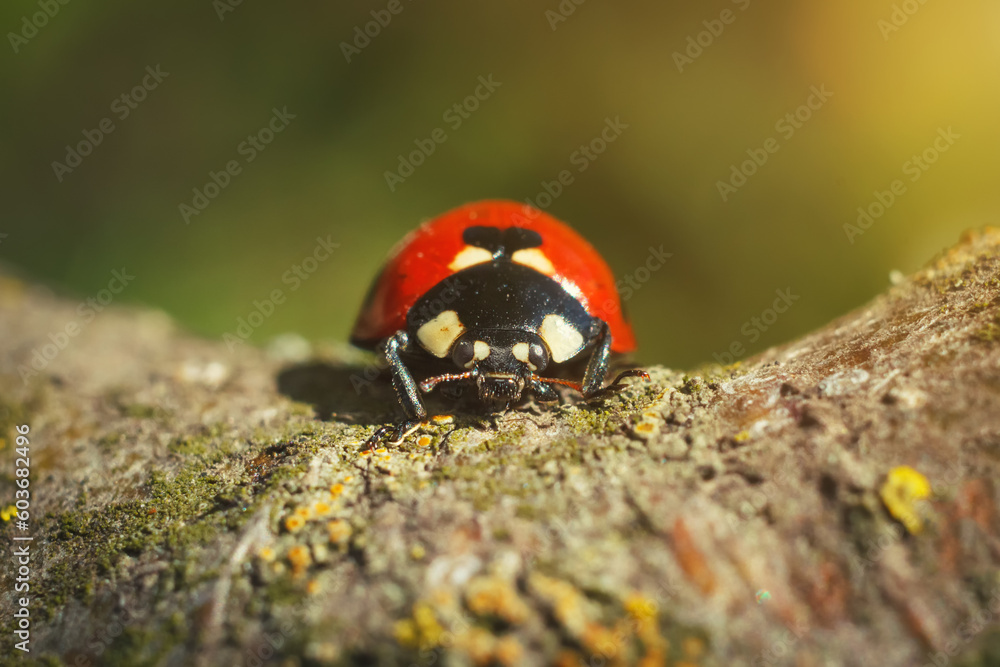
x=406, y=393
x=542, y=390
x=597, y=368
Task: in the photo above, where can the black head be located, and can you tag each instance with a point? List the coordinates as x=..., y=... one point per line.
x=504, y=361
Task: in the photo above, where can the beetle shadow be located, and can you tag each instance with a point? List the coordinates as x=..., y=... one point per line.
x=339, y=392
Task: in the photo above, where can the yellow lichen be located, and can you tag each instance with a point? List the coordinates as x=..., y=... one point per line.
x=321, y=508
x=492, y=596
x=339, y=531
x=693, y=647
x=902, y=489
x=508, y=651
x=422, y=631
x=8, y=513
x=479, y=644
x=299, y=558
x=266, y=554
x=293, y=523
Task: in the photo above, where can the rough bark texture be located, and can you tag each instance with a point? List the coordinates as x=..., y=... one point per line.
x=195, y=504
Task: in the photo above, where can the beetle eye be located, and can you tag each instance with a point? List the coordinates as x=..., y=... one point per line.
x=464, y=353
x=538, y=356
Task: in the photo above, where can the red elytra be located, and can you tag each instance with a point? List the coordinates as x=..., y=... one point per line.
x=420, y=261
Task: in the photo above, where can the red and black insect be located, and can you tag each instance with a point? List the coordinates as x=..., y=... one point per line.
x=493, y=294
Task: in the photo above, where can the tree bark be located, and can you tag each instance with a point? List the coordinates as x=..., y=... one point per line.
x=830, y=501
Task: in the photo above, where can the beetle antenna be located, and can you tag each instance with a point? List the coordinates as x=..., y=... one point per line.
x=565, y=383
x=428, y=385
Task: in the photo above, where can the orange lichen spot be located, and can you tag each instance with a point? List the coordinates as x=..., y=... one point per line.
x=336, y=490
x=643, y=612
x=349, y=478
x=568, y=658
x=509, y=651
x=492, y=596
x=312, y=587
x=693, y=647
x=479, y=644
x=646, y=427
x=304, y=512
x=640, y=608
x=691, y=560
x=903, y=488
x=339, y=531
x=424, y=441
x=294, y=522
x=300, y=558
x=442, y=419
x=321, y=508
x=602, y=641
x=266, y=554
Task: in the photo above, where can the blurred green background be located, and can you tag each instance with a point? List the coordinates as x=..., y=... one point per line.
x=657, y=184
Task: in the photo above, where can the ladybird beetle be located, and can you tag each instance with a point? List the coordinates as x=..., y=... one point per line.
x=493, y=294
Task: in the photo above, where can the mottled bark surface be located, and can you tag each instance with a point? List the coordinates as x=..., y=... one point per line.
x=191, y=503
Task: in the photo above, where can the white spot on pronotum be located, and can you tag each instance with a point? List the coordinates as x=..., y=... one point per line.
x=438, y=335
x=563, y=340
x=535, y=258
x=480, y=350
x=521, y=352
x=468, y=256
